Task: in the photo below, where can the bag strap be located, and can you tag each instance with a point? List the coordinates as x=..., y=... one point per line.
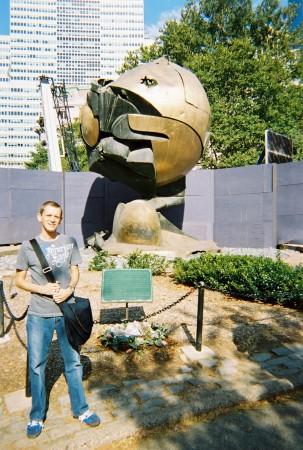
x=47, y=270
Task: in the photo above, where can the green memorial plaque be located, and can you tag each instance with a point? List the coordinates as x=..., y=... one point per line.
x=126, y=285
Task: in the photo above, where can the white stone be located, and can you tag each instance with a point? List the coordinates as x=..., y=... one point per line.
x=207, y=363
x=4, y=339
x=193, y=355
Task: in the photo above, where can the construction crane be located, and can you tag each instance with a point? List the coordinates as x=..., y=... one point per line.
x=56, y=111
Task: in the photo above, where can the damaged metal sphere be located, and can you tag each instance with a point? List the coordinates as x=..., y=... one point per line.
x=148, y=128
x=137, y=223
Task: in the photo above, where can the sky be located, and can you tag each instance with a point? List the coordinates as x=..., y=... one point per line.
x=155, y=12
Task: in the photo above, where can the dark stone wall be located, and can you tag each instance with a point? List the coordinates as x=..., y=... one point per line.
x=253, y=206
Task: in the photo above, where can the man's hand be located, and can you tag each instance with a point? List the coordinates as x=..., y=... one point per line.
x=62, y=294
x=50, y=289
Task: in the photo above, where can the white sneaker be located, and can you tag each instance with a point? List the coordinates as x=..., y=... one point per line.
x=91, y=419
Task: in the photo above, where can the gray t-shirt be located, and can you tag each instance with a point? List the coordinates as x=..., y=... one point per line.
x=61, y=253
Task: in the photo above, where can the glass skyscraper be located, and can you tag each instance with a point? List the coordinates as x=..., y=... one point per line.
x=75, y=41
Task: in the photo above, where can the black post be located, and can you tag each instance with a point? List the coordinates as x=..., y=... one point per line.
x=1, y=309
x=200, y=316
x=28, y=392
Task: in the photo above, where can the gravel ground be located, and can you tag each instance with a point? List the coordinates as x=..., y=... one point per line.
x=230, y=326
x=266, y=252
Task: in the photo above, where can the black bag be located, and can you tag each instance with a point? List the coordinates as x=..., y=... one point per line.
x=78, y=317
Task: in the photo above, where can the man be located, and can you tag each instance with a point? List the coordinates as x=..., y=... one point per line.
x=45, y=317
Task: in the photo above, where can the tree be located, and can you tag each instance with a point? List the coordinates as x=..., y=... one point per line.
x=39, y=157
x=251, y=67
x=145, y=54
x=248, y=96
x=80, y=146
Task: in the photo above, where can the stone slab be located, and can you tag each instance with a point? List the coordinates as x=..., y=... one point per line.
x=8, y=250
x=176, y=244
x=16, y=401
x=207, y=363
x=193, y=355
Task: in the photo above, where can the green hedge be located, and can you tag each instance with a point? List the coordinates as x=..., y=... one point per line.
x=101, y=261
x=251, y=277
x=136, y=260
x=139, y=260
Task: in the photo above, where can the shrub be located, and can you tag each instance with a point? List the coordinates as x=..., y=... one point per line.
x=101, y=261
x=138, y=260
x=253, y=277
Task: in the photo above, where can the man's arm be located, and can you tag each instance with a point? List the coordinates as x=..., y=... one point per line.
x=26, y=285
x=74, y=276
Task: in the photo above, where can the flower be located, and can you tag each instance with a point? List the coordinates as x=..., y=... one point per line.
x=135, y=336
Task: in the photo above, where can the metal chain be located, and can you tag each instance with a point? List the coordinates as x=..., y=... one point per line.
x=2, y=293
x=171, y=305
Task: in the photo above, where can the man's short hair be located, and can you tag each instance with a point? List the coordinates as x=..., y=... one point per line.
x=49, y=203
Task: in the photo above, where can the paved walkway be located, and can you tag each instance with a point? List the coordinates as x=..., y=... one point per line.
x=138, y=404
x=202, y=383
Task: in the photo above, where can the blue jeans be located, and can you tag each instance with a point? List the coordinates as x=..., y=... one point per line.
x=40, y=332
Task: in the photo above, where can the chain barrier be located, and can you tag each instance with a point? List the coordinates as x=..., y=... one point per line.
x=143, y=318
x=2, y=294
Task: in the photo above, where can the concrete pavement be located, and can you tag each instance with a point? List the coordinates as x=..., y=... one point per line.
x=202, y=384
x=275, y=424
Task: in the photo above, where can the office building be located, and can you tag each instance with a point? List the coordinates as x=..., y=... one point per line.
x=75, y=41
x=5, y=94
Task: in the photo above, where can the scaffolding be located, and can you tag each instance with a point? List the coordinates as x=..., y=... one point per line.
x=61, y=107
